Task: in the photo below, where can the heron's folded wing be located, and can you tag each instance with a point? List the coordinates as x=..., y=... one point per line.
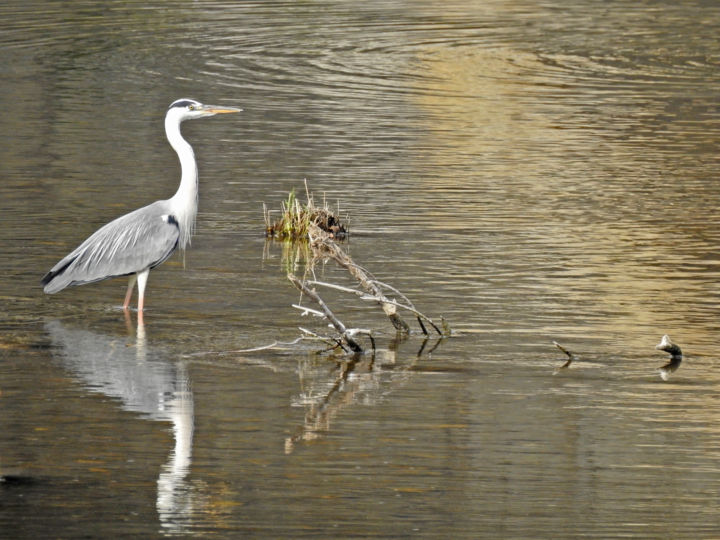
x=132, y=243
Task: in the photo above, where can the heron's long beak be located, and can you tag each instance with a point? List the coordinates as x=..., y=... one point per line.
x=217, y=109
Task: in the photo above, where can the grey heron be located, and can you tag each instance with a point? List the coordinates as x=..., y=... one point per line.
x=137, y=242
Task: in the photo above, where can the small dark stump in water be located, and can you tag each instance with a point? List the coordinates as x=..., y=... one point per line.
x=676, y=356
x=10, y=480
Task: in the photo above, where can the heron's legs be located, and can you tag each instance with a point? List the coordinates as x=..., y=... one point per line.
x=142, y=278
x=128, y=294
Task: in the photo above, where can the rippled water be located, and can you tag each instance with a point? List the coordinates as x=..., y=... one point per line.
x=528, y=171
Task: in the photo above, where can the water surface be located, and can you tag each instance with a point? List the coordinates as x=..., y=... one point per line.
x=528, y=172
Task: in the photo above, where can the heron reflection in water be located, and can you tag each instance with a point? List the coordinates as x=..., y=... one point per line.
x=135, y=243
x=146, y=382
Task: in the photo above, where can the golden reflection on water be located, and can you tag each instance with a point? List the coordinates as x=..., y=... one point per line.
x=501, y=129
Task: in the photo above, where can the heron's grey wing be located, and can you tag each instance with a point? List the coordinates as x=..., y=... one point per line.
x=132, y=243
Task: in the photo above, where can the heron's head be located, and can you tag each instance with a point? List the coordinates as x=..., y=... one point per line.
x=189, y=109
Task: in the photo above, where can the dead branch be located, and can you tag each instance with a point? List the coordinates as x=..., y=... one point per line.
x=337, y=323
x=334, y=343
x=383, y=301
x=281, y=345
x=309, y=311
x=322, y=242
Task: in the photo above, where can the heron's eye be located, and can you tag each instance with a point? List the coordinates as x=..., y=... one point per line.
x=191, y=107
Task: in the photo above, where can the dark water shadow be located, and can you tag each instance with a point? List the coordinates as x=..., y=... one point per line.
x=145, y=382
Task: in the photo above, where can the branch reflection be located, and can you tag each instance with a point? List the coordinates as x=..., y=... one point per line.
x=329, y=385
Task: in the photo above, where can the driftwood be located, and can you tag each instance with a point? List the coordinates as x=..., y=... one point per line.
x=323, y=246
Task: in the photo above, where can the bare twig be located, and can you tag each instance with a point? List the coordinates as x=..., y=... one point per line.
x=334, y=286
x=333, y=342
x=422, y=326
x=382, y=300
x=309, y=311
x=412, y=310
x=395, y=291
x=570, y=356
x=363, y=332
x=273, y=345
x=337, y=323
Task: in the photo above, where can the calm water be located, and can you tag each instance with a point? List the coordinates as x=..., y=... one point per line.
x=529, y=171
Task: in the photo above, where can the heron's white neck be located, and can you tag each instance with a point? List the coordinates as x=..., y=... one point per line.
x=185, y=201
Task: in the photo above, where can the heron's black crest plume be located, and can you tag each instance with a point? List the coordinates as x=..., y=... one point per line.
x=184, y=102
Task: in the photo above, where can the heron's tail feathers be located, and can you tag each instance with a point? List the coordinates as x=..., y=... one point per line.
x=54, y=281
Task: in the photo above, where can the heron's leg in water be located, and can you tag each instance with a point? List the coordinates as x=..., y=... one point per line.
x=128, y=294
x=142, y=278
x=141, y=282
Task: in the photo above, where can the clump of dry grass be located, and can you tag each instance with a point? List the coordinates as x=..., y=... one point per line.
x=296, y=218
